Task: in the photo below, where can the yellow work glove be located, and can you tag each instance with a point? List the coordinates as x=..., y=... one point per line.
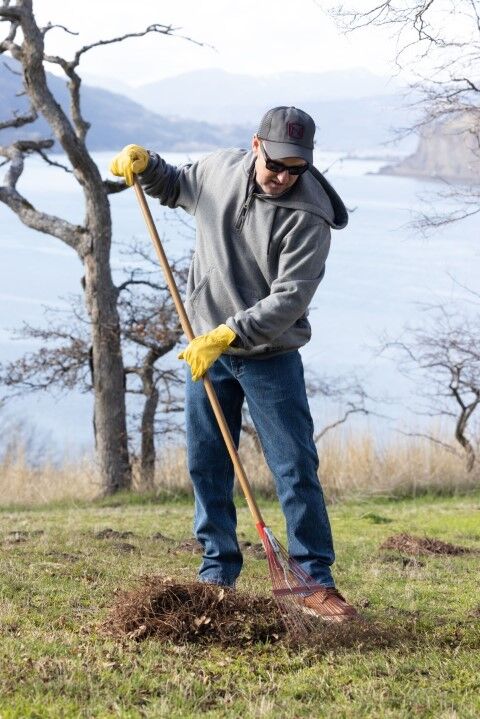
x=131, y=160
x=205, y=349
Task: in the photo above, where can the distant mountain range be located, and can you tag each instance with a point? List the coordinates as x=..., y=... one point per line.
x=116, y=120
x=222, y=97
x=206, y=109
x=354, y=109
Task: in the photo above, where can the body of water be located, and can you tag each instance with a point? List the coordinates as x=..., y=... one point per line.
x=378, y=272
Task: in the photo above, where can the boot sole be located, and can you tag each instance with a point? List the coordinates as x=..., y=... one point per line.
x=336, y=618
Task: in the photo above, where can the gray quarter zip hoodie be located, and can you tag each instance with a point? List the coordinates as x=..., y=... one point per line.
x=258, y=258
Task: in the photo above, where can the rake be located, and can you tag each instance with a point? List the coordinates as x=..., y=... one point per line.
x=289, y=581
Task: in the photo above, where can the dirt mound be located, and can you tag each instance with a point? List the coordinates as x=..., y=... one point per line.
x=124, y=547
x=20, y=535
x=190, y=545
x=109, y=533
x=410, y=544
x=193, y=612
x=62, y=556
x=162, y=538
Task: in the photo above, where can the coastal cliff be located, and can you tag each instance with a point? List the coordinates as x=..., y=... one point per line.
x=448, y=151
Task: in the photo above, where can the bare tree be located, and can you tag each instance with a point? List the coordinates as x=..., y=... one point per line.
x=149, y=328
x=24, y=41
x=444, y=359
x=438, y=42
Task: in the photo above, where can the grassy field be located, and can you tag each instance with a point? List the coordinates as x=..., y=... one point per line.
x=59, y=571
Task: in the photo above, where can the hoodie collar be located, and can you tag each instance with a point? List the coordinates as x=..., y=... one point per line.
x=313, y=194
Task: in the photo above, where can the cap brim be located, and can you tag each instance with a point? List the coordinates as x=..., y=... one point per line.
x=282, y=150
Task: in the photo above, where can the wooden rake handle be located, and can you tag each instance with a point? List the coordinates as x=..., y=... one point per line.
x=187, y=328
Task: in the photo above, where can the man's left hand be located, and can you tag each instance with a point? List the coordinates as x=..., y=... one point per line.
x=202, y=351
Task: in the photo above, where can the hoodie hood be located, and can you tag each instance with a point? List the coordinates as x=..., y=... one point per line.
x=311, y=193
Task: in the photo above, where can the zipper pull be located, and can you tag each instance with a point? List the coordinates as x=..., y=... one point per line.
x=243, y=212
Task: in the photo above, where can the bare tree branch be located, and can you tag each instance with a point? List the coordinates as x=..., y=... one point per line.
x=154, y=28
x=430, y=438
x=19, y=120
x=112, y=187
x=72, y=235
x=53, y=163
x=64, y=365
x=12, y=13
x=464, y=287
x=51, y=26
x=150, y=329
x=355, y=410
x=10, y=69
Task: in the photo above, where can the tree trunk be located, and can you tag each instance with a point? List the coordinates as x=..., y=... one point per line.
x=108, y=375
x=147, y=457
x=93, y=247
x=460, y=428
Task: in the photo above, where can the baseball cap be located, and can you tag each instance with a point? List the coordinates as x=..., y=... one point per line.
x=287, y=132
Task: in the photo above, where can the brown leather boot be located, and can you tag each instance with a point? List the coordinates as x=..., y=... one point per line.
x=328, y=604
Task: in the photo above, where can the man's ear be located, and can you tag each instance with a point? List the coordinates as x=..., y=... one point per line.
x=255, y=144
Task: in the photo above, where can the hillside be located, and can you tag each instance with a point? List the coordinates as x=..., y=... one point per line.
x=214, y=95
x=117, y=120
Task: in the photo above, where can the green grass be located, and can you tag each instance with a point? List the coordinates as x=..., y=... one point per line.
x=56, y=586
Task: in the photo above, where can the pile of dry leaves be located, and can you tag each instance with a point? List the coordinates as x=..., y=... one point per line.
x=193, y=612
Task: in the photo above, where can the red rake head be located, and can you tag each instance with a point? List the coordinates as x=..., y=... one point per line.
x=289, y=583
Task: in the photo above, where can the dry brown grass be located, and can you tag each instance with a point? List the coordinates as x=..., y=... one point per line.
x=350, y=465
x=27, y=484
x=357, y=464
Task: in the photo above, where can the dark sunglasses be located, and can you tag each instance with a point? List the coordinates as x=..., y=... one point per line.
x=277, y=167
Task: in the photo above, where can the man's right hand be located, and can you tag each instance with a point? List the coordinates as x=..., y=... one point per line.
x=131, y=160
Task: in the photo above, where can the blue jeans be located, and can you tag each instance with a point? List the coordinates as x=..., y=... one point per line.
x=275, y=392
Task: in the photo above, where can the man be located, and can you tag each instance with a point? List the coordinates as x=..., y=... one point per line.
x=263, y=222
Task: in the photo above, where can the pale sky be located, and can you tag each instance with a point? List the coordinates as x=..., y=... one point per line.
x=250, y=36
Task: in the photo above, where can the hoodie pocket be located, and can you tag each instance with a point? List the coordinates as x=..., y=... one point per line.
x=214, y=301
x=198, y=289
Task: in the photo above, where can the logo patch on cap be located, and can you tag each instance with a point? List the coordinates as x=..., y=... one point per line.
x=295, y=130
